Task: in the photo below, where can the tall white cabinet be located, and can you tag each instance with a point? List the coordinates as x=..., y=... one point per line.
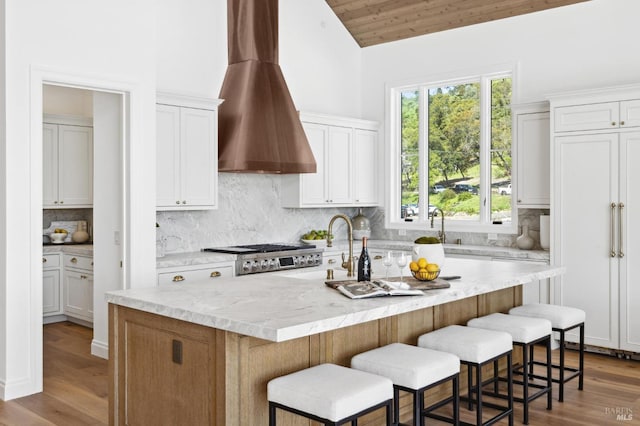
x=346, y=154
x=186, y=153
x=596, y=212
x=67, y=169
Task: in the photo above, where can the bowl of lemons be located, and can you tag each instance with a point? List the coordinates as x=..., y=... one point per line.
x=422, y=270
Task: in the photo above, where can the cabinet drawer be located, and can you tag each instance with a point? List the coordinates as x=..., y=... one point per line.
x=50, y=261
x=205, y=275
x=78, y=262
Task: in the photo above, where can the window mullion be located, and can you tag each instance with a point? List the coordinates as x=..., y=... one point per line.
x=485, y=150
x=423, y=150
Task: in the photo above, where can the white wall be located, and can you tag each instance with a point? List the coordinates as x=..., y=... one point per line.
x=585, y=45
x=90, y=43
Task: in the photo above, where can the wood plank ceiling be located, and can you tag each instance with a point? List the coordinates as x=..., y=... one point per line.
x=372, y=22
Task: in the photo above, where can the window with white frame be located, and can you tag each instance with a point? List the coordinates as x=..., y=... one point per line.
x=451, y=153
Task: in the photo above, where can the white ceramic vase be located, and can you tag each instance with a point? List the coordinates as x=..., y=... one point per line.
x=524, y=241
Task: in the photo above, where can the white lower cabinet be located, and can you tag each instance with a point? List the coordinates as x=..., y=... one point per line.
x=78, y=287
x=207, y=273
x=51, y=288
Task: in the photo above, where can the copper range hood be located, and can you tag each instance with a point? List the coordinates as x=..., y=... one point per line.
x=260, y=130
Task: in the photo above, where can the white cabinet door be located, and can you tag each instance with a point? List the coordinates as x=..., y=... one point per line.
x=186, y=158
x=338, y=168
x=586, y=184
x=198, y=157
x=605, y=115
x=629, y=216
x=49, y=165
x=167, y=156
x=51, y=292
x=533, y=160
x=365, y=169
x=630, y=113
x=313, y=186
x=75, y=156
x=78, y=294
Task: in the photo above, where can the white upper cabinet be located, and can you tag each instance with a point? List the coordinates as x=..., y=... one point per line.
x=533, y=156
x=597, y=116
x=186, y=153
x=67, y=155
x=346, y=153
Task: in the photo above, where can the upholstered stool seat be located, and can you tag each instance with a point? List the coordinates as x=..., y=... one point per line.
x=415, y=370
x=525, y=332
x=476, y=347
x=330, y=394
x=563, y=319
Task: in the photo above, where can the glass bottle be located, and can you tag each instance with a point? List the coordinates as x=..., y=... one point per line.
x=364, y=263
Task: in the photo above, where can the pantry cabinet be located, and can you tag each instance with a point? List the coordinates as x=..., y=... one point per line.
x=346, y=154
x=78, y=287
x=186, y=153
x=531, y=134
x=596, y=216
x=67, y=162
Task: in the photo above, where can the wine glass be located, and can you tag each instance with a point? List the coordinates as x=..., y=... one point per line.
x=401, y=261
x=387, y=261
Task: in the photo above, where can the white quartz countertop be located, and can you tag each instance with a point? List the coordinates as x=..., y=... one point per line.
x=77, y=249
x=280, y=306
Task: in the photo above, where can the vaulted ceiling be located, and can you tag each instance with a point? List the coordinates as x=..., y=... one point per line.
x=372, y=22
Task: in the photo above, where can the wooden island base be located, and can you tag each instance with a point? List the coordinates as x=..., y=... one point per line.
x=167, y=371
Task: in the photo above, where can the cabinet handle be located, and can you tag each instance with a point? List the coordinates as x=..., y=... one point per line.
x=377, y=257
x=83, y=277
x=55, y=202
x=178, y=278
x=331, y=261
x=178, y=202
x=622, y=123
x=73, y=260
x=620, y=252
x=184, y=202
x=613, y=123
x=44, y=260
x=613, y=229
x=61, y=202
x=215, y=274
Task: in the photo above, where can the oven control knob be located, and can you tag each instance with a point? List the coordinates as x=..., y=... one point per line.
x=296, y=261
x=254, y=266
x=309, y=260
x=264, y=265
x=272, y=264
x=246, y=267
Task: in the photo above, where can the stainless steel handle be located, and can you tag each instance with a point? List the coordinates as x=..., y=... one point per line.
x=73, y=260
x=613, y=229
x=215, y=274
x=620, y=252
x=178, y=278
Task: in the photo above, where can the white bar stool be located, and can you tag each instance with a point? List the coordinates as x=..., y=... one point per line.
x=330, y=394
x=525, y=332
x=476, y=347
x=414, y=370
x=563, y=319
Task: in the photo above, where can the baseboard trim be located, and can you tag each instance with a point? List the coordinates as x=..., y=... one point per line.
x=99, y=349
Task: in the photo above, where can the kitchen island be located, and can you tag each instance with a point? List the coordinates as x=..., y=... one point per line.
x=203, y=354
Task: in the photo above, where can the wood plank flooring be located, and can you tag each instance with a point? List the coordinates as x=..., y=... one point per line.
x=75, y=389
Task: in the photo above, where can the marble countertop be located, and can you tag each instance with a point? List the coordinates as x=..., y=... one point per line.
x=192, y=258
x=77, y=249
x=280, y=306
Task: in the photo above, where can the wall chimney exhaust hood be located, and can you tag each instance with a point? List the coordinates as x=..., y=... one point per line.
x=260, y=130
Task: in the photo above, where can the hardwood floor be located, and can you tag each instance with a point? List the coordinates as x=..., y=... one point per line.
x=75, y=389
x=75, y=383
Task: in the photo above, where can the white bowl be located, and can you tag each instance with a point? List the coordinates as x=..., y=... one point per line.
x=317, y=243
x=57, y=237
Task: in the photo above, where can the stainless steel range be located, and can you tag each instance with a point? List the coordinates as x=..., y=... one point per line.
x=256, y=258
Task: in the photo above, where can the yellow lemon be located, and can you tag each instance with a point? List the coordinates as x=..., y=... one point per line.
x=414, y=266
x=433, y=267
x=423, y=270
x=422, y=262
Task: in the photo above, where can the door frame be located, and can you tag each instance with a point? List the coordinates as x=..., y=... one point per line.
x=130, y=93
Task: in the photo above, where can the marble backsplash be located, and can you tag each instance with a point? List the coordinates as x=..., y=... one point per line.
x=249, y=212
x=66, y=215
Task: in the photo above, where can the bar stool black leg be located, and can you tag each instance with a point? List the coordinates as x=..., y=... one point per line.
x=272, y=414
x=549, y=378
x=581, y=377
x=396, y=405
x=479, y=395
x=525, y=384
x=417, y=409
x=469, y=386
x=561, y=384
x=456, y=401
x=495, y=376
x=510, y=386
